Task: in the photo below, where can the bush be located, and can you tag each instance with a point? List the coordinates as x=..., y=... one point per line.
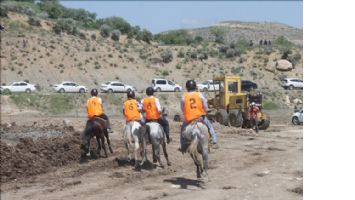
x=181, y=54
x=178, y=66
x=105, y=30
x=180, y=37
x=167, y=55
x=82, y=35
x=66, y=25
x=165, y=73
x=34, y=21
x=236, y=70
x=93, y=36
x=146, y=36
x=115, y=35
x=268, y=105
x=230, y=53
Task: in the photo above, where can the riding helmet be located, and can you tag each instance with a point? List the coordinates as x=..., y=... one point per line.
x=131, y=94
x=190, y=85
x=94, y=92
x=149, y=91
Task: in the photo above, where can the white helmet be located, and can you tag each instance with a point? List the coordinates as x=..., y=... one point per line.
x=252, y=103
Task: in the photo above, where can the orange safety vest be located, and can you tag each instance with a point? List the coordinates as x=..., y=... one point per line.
x=94, y=107
x=151, y=110
x=131, y=111
x=193, y=106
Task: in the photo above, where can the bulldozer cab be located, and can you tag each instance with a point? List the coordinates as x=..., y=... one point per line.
x=229, y=95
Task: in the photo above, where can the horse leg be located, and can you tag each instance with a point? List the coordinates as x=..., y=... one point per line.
x=156, y=145
x=98, y=151
x=128, y=153
x=103, y=145
x=165, y=153
x=108, y=141
x=136, y=152
x=144, y=146
x=205, y=163
x=198, y=172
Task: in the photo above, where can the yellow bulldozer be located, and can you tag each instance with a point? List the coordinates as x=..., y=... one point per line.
x=230, y=105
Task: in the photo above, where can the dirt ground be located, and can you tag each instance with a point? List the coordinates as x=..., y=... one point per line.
x=246, y=166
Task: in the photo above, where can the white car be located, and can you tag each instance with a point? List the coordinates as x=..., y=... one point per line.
x=116, y=86
x=68, y=86
x=160, y=85
x=20, y=86
x=292, y=83
x=208, y=86
x=297, y=117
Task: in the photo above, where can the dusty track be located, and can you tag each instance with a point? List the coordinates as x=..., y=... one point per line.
x=247, y=166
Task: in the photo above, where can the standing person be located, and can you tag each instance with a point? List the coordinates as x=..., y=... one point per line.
x=253, y=110
x=94, y=108
x=194, y=106
x=131, y=108
x=153, y=111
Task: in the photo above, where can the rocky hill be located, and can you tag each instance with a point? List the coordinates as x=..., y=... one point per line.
x=39, y=55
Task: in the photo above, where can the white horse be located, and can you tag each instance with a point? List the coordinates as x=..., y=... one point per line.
x=157, y=138
x=132, y=130
x=196, y=139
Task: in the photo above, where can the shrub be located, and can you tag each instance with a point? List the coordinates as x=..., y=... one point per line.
x=236, y=70
x=66, y=25
x=167, y=55
x=268, y=105
x=180, y=54
x=230, y=53
x=105, y=30
x=178, y=66
x=165, y=73
x=93, y=36
x=82, y=35
x=34, y=21
x=115, y=35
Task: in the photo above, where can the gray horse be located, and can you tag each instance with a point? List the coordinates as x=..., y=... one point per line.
x=132, y=131
x=196, y=138
x=157, y=139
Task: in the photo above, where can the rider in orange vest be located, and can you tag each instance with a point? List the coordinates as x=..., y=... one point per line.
x=194, y=106
x=94, y=108
x=152, y=109
x=131, y=108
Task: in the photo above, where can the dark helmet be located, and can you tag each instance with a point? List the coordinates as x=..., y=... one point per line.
x=94, y=92
x=131, y=94
x=190, y=85
x=149, y=91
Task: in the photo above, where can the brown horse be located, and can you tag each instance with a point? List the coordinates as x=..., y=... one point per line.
x=95, y=127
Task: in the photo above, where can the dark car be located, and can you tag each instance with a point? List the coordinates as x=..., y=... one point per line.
x=248, y=85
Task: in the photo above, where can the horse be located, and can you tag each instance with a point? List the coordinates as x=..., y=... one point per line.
x=156, y=134
x=133, y=130
x=95, y=127
x=196, y=138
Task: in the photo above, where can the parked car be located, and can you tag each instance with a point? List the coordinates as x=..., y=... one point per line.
x=116, y=86
x=20, y=86
x=208, y=85
x=297, y=117
x=160, y=85
x=248, y=85
x=68, y=86
x=292, y=83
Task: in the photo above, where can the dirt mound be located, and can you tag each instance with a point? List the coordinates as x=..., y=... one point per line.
x=31, y=156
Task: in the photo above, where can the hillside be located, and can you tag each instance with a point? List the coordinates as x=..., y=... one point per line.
x=255, y=31
x=37, y=54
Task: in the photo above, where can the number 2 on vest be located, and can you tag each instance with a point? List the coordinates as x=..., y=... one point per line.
x=193, y=104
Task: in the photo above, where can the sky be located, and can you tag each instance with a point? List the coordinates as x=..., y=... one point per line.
x=159, y=16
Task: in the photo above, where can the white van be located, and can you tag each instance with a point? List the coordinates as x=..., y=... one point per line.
x=163, y=85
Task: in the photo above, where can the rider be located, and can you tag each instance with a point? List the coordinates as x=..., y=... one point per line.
x=194, y=106
x=253, y=111
x=94, y=108
x=131, y=108
x=152, y=109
